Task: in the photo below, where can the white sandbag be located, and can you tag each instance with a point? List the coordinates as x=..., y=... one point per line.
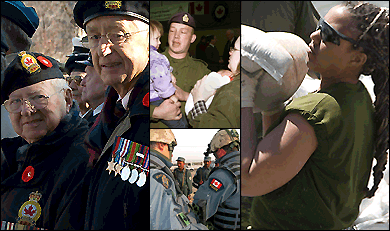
x=213, y=82
x=283, y=56
x=259, y=50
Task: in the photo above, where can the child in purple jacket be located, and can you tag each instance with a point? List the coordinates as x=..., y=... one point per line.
x=161, y=86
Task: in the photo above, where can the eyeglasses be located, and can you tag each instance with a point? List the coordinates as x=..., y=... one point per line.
x=329, y=34
x=233, y=49
x=114, y=38
x=35, y=102
x=77, y=79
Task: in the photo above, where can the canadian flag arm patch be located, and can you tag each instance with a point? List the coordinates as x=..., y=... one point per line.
x=215, y=184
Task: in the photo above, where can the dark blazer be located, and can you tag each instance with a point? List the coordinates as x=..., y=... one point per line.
x=109, y=202
x=59, y=161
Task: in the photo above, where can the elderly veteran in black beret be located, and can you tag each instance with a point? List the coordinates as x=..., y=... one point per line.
x=18, y=25
x=93, y=91
x=76, y=72
x=186, y=69
x=47, y=158
x=116, y=191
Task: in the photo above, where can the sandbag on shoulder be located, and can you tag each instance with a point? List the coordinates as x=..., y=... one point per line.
x=276, y=52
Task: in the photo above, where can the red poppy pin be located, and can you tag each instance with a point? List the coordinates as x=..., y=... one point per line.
x=145, y=101
x=45, y=61
x=28, y=174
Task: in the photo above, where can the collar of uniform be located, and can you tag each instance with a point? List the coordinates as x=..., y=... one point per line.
x=125, y=99
x=98, y=109
x=161, y=157
x=10, y=57
x=228, y=156
x=177, y=61
x=141, y=88
x=211, y=45
x=83, y=115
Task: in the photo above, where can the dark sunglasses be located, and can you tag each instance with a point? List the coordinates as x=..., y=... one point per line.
x=329, y=34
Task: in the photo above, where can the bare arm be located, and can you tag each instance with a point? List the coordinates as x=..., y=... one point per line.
x=278, y=157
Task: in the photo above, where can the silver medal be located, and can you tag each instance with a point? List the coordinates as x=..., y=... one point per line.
x=134, y=176
x=125, y=173
x=142, y=179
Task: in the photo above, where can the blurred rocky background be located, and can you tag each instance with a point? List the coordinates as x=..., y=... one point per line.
x=56, y=28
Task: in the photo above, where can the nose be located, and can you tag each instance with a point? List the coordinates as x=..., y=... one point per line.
x=104, y=49
x=82, y=83
x=27, y=108
x=104, y=46
x=73, y=85
x=176, y=35
x=316, y=36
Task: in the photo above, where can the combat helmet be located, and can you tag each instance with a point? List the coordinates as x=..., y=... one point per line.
x=224, y=137
x=163, y=136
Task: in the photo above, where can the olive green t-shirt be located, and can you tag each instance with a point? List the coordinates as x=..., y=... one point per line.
x=187, y=72
x=327, y=192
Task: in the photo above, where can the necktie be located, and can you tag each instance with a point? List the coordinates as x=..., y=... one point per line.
x=119, y=109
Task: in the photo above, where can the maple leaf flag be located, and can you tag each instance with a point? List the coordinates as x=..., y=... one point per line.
x=199, y=7
x=216, y=183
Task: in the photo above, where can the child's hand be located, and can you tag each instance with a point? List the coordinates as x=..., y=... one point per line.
x=173, y=79
x=180, y=93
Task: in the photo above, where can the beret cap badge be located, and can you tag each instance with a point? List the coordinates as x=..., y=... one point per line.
x=185, y=18
x=29, y=62
x=113, y=5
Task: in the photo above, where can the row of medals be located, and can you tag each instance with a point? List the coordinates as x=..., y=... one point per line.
x=127, y=174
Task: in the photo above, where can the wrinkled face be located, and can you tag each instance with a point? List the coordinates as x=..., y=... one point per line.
x=327, y=57
x=93, y=86
x=77, y=89
x=235, y=55
x=180, y=38
x=32, y=124
x=155, y=37
x=117, y=64
x=180, y=164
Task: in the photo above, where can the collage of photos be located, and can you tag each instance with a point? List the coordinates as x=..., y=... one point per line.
x=194, y=115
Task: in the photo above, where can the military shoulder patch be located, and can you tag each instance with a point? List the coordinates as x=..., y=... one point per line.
x=215, y=184
x=163, y=179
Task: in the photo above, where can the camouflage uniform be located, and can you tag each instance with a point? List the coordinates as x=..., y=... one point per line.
x=219, y=197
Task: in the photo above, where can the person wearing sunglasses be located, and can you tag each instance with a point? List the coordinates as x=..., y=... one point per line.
x=47, y=157
x=311, y=169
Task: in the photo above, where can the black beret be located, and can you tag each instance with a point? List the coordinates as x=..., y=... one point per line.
x=72, y=65
x=183, y=18
x=87, y=62
x=84, y=11
x=4, y=45
x=26, y=69
x=25, y=17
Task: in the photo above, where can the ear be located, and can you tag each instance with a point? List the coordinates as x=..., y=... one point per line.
x=68, y=99
x=358, y=59
x=193, y=38
x=160, y=146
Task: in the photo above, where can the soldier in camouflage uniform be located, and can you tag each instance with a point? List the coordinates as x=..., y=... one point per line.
x=186, y=69
x=169, y=207
x=218, y=199
x=183, y=177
